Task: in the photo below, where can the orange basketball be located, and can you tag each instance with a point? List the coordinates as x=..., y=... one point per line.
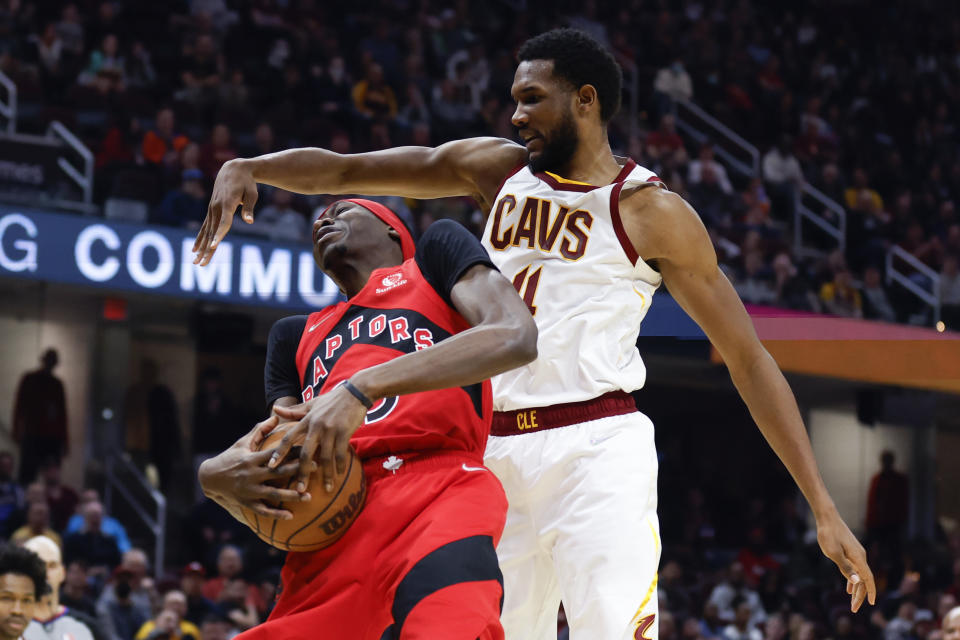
x=321, y=521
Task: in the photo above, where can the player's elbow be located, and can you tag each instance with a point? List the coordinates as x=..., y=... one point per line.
x=522, y=341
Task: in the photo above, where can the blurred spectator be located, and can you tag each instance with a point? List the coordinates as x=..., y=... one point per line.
x=61, y=498
x=775, y=628
x=664, y=139
x=783, y=176
x=51, y=619
x=876, y=304
x=109, y=525
x=672, y=83
x=90, y=545
x=333, y=88
x=734, y=588
x=667, y=626
x=127, y=601
x=861, y=191
x=106, y=70
x=71, y=31
x=839, y=296
x=755, y=283
x=38, y=524
x=215, y=152
x=706, y=169
x=280, y=221
x=901, y=626
x=215, y=627
x=162, y=144
x=950, y=292
x=888, y=507
x=742, y=628
x=185, y=206
x=75, y=592
x=49, y=52
x=175, y=601
x=373, y=97
x=34, y=493
x=11, y=493
x=201, y=73
x=951, y=625
x=138, y=70
x=199, y=607
x=755, y=558
x=152, y=422
x=711, y=626
x=230, y=568
x=793, y=289
x=40, y=417
x=235, y=602
x=671, y=592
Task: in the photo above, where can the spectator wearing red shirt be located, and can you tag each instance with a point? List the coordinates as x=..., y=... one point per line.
x=755, y=558
x=229, y=568
x=665, y=138
x=162, y=144
x=217, y=151
x=888, y=503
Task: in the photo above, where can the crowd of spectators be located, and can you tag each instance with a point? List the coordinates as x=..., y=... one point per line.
x=859, y=103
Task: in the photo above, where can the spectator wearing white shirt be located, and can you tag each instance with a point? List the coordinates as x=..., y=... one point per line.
x=783, y=176
x=725, y=593
x=742, y=627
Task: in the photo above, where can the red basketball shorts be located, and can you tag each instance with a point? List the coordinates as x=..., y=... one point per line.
x=419, y=563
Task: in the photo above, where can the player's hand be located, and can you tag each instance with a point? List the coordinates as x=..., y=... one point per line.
x=326, y=421
x=239, y=477
x=234, y=187
x=840, y=545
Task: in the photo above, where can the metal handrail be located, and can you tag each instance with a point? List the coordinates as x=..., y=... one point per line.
x=82, y=177
x=158, y=524
x=932, y=298
x=8, y=109
x=727, y=132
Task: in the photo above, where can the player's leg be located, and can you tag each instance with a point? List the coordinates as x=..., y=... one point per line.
x=454, y=592
x=608, y=544
x=531, y=591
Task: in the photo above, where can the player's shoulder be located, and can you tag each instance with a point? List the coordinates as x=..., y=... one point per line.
x=486, y=161
x=288, y=328
x=443, y=231
x=659, y=219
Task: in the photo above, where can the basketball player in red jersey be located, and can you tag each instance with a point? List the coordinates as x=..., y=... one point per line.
x=586, y=237
x=399, y=370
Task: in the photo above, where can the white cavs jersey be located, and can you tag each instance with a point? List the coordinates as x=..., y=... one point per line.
x=563, y=245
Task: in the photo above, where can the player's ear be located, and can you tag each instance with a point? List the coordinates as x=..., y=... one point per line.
x=587, y=99
x=394, y=234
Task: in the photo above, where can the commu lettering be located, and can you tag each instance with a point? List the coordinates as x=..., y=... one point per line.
x=566, y=231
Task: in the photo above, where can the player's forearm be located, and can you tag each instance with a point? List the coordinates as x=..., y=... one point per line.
x=306, y=170
x=464, y=359
x=774, y=409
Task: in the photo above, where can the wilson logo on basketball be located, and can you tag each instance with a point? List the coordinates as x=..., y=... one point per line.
x=391, y=282
x=345, y=514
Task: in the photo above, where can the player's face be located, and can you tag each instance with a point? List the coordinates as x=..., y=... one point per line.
x=544, y=115
x=345, y=228
x=951, y=626
x=17, y=600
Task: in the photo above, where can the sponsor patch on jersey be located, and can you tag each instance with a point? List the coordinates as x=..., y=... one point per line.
x=391, y=281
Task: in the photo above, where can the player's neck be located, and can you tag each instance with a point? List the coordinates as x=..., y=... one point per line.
x=48, y=607
x=352, y=274
x=593, y=161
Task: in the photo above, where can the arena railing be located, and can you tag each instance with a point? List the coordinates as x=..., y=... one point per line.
x=157, y=524
x=8, y=106
x=744, y=158
x=921, y=272
x=82, y=176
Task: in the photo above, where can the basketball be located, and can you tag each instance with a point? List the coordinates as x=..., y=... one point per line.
x=324, y=519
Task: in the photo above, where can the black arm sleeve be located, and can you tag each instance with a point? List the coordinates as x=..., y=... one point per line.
x=280, y=371
x=445, y=252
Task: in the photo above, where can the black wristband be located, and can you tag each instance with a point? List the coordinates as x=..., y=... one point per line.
x=359, y=395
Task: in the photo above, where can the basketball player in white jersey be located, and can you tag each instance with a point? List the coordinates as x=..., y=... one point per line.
x=586, y=238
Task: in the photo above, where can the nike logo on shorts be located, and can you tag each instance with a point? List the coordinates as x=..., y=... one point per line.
x=598, y=439
x=466, y=468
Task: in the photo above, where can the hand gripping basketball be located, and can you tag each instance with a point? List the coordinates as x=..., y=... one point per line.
x=323, y=519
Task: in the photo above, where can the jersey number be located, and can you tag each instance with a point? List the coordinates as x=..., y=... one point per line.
x=527, y=286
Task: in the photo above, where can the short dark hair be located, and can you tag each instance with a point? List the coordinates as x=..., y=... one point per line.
x=580, y=60
x=24, y=562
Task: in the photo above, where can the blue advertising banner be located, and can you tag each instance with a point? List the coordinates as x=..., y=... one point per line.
x=149, y=259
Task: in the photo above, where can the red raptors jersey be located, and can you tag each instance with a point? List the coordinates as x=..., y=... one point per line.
x=396, y=313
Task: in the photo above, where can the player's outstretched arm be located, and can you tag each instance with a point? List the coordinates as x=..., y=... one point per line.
x=471, y=167
x=665, y=229
x=503, y=336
